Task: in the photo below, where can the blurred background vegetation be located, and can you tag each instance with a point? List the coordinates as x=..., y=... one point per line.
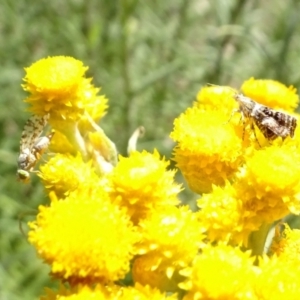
x=150, y=58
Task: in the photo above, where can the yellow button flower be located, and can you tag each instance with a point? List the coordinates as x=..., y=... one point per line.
x=108, y=292
x=65, y=173
x=57, y=86
x=170, y=240
x=141, y=183
x=109, y=221
x=217, y=98
x=84, y=238
x=140, y=292
x=209, y=151
x=269, y=184
x=271, y=93
x=220, y=272
x=221, y=215
x=277, y=280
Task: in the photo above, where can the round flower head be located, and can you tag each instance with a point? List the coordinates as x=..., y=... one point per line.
x=81, y=292
x=65, y=173
x=151, y=270
x=221, y=216
x=170, y=240
x=141, y=183
x=144, y=292
x=277, y=279
x=269, y=185
x=220, y=272
x=84, y=238
x=271, y=93
x=108, y=292
x=57, y=86
x=209, y=151
x=217, y=98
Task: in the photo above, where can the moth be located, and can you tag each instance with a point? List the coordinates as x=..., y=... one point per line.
x=271, y=123
x=32, y=146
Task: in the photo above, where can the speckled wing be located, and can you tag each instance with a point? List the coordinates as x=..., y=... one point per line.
x=274, y=123
x=33, y=128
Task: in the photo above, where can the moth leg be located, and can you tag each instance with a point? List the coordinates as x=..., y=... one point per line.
x=254, y=131
x=242, y=119
x=231, y=115
x=35, y=171
x=244, y=126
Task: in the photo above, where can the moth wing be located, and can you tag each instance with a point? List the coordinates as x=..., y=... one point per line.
x=266, y=131
x=273, y=126
x=293, y=125
x=33, y=128
x=287, y=122
x=41, y=144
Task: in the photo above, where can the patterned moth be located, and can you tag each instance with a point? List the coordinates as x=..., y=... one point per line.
x=272, y=123
x=32, y=146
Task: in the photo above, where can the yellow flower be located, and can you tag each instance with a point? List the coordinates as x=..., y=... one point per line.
x=220, y=272
x=65, y=173
x=271, y=93
x=108, y=292
x=81, y=292
x=140, y=292
x=221, y=214
x=141, y=183
x=269, y=184
x=151, y=269
x=209, y=151
x=57, y=86
x=217, y=98
x=171, y=239
x=84, y=238
x=278, y=280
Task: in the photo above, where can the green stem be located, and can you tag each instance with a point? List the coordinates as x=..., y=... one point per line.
x=72, y=133
x=257, y=239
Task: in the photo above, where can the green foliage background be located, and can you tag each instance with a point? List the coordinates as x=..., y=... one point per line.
x=150, y=58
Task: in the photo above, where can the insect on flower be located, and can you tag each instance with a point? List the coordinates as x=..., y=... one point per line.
x=32, y=146
x=272, y=123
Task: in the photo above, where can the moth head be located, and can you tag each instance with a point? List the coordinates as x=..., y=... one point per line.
x=246, y=105
x=25, y=160
x=23, y=175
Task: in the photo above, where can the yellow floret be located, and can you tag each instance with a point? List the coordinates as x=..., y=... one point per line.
x=271, y=93
x=209, y=151
x=57, y=86
x=220, y=272
x=84, y=238
x=170, y=240
x=141, y=183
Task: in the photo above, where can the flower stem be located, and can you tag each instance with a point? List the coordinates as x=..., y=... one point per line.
x=257, y=239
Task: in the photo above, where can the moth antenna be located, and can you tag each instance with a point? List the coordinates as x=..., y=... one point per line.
x=211, y=84
x=231, y=115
